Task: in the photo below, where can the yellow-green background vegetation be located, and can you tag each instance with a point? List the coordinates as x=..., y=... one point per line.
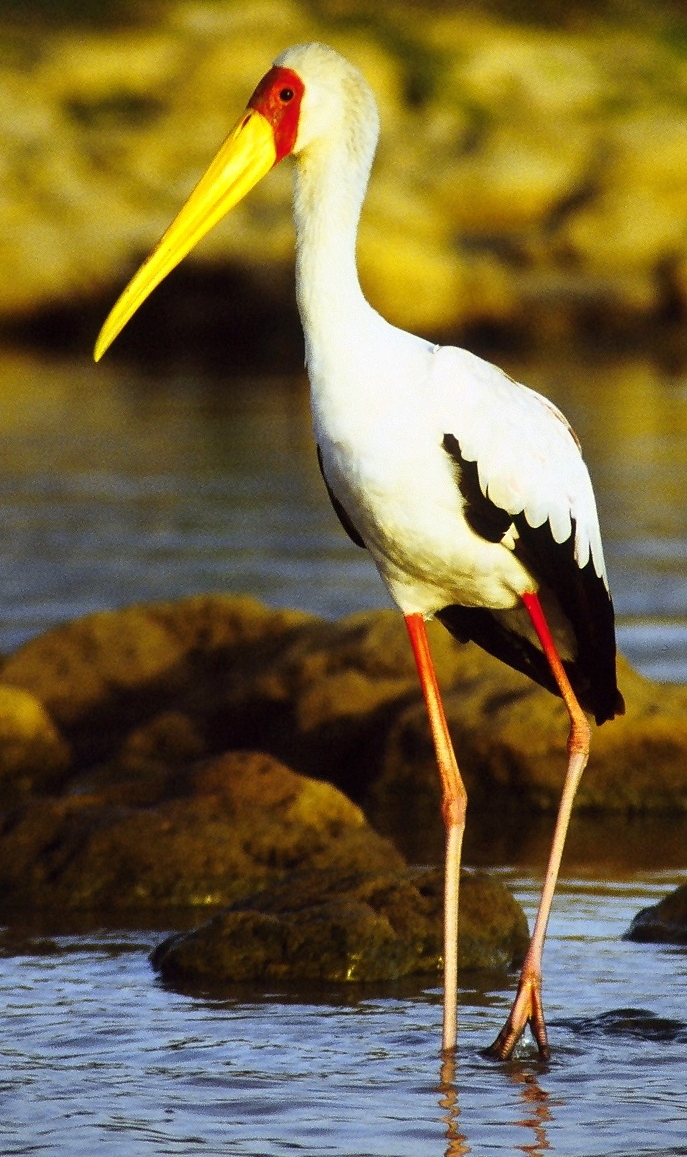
x=532, y=172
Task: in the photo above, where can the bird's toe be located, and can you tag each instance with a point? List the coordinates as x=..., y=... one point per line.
x=527, y=1010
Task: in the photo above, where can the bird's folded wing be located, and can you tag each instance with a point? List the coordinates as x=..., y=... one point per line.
x=527, y=457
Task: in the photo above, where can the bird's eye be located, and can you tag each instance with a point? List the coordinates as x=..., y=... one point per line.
x=286, y=94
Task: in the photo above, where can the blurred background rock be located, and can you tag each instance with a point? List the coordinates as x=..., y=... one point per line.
x=531, y=177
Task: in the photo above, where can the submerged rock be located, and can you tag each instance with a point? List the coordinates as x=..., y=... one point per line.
x=662, y=923
x=640, y=1023
x=367, y=927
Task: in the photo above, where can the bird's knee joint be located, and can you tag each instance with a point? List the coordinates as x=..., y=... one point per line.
x=454, y=809
x=580, y=737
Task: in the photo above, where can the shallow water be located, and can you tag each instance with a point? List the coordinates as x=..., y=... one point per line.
x=117, y=486
x=97, y=1057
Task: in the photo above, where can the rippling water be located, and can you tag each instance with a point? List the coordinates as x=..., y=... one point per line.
x=96, y=1057
x=116, y=487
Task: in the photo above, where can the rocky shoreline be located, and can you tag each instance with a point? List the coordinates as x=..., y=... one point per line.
x=213, y=751
x=531, y=178
x=125, y=701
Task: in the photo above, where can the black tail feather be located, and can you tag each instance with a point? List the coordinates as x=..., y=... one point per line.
x=586, y=604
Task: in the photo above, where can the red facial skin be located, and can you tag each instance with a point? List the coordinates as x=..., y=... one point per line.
x=280, y=109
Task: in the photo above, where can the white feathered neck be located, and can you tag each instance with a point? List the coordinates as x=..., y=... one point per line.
x=336, y=142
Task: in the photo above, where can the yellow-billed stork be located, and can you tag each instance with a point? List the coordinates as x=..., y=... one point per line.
x=468, y=489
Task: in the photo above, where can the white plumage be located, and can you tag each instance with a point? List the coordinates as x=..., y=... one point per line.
x=367, y=377
x=467, y=488
x=528, y=457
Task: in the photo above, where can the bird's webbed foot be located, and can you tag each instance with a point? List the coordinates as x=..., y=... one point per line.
x=527, y=1010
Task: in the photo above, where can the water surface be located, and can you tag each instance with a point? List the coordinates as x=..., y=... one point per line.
x=97, y=1057
x=118, y=486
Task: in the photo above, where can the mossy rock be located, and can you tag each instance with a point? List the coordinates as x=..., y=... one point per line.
x=240, y=821
x=662, y=923
x=142, y=694
x=510, y=740
x=367, y=927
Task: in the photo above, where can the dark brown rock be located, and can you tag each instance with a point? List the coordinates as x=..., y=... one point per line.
x=371, y=927
x=140, y=695
x=662, y=923
x=510, y=739
x=241, y=821
x=103, y=675
x=238, y=674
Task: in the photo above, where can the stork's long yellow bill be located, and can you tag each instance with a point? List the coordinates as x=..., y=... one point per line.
x=247, y=154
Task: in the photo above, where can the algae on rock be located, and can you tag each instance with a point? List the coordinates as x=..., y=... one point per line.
x=362, y=928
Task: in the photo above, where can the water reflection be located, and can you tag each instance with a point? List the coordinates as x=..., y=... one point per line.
x=538, y=1106
x=117, y=486
x=448, y=1103
x=530, y=1094
x=125, y=1065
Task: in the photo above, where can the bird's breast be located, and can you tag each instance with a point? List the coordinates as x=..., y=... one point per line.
x=380, y=435
x=399, y=489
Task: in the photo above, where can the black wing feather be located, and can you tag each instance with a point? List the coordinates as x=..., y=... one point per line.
x=484, y=516
x=581, y=594
x=479, y=625
x=586, y=603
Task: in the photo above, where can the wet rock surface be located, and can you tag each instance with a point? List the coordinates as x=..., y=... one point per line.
x=531, y=175
x=369, y=927
x=662, y=923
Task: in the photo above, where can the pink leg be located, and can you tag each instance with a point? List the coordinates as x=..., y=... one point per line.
x=527, y=1007
x=454, y=802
